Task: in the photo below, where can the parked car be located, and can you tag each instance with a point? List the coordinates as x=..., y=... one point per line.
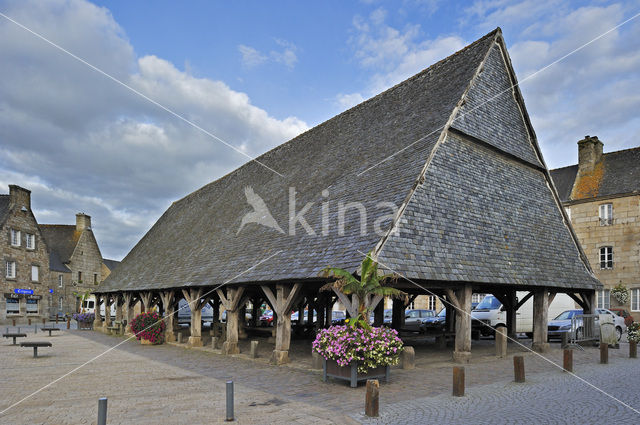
x=490, y=312
x=628, y=318
x=435, y=323
x=266, y=318
x=338, y=317
x=413, y=319
x=562, y=324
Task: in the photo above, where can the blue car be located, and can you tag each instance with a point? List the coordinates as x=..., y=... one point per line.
x=434, y=324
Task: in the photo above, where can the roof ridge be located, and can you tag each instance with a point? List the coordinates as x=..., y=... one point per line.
x=622, y=150
x=56, y=225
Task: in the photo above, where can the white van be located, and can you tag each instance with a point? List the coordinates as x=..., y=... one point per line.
x=490, y=311
x=88, y=306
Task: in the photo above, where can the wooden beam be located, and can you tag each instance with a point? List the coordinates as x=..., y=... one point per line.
x=292, y=296
x=270, y=297
x=524, y=300
x=578, y=300
x=452, y=298
x=347, y=303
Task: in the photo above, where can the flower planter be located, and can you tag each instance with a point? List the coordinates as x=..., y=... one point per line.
x=147, y=342
x=85, y=325
x=331, y=368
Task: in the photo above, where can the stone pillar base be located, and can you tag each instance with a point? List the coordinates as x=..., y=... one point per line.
x=271, y=340
x=316, y=360
x=461, y=356
x=279, y=357
x=540, y=347
x=169, y=336
x=229, y=348
x=194, y=341
x=97, y=325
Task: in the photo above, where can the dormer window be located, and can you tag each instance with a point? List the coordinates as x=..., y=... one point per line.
x=31, y=241
x=606, y=214
x=15, y=237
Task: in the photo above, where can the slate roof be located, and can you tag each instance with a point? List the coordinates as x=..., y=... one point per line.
x=111, y=264
x=61, y=240
x=4, y=207
x=197, y=241
x=621, y=175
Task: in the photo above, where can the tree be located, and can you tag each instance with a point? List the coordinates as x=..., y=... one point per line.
x=370, y=283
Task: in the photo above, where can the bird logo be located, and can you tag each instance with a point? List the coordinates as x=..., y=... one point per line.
x=260, y=214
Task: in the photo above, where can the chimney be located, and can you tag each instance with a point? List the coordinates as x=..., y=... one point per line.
x=83, y=222
x=19, y=197
x=589, y=153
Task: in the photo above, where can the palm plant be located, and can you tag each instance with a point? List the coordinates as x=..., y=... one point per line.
x=370, y=283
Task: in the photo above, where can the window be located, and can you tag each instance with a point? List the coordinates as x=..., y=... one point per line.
x=15, y=237
x=35, y=273
x=606, y=257
x=431, y=302
x=60, y=282
x=79, y=277
x=32, y=306
x=476, y=298
x=635, y=299
x=13, y=306
x=11, y=269
x=604, y=298
x=95, y=278
x=568, y=211
x=606, y=214
x=60, y=303
x=31, y=241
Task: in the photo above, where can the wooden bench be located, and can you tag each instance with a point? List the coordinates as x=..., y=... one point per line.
x=14, y=335
x=35, y=345
x=49, y=329
x=118, y=328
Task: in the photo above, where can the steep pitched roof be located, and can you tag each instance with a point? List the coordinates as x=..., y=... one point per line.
x=198, y=240
x=621, y=175
x=4, y=207
x=111, y=264
x=61, y=240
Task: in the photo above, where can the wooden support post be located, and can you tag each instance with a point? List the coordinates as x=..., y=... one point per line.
x=501, y=341
x=633, y=350
x=119, y=313
x=97, y=321
x=397, y=315
x=328, y=312
x=512, y=315
x=458, y=381
x=462, y=301
x=540, y=320
x=145, y=299
x=255, y=311
x=107, y=313
x=127, y=298
x=321, y=308
x=378, y=314
x=372, y=398
x=518, y=368
x=282, y=301
x=567, y=360
x=192, y=296
x=604, y=353
x=168, y=305
x=242, y=321
x=231, y=302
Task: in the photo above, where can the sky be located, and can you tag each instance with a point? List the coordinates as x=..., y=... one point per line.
x=256, y=74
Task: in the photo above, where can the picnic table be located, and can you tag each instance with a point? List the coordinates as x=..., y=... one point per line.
x=35, y=345
x=50, y=329
x=14, y=335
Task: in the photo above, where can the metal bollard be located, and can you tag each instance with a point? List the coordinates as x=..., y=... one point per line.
x=230, y=417
x=518, y=368
x=102, y=411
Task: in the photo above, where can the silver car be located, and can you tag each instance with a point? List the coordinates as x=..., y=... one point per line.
x=562, y=324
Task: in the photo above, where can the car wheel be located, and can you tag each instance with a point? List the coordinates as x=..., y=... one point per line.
x=619, y=332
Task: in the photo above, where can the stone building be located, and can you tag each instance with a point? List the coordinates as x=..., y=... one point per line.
x=76, y=264
x=601, y=195
x=446, y=188
x=25, y=277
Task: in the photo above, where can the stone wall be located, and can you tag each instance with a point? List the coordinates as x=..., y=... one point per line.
x=86, y=259
x=623, y=235
x=25, y=222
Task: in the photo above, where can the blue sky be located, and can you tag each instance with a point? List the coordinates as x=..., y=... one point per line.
x=259, y=73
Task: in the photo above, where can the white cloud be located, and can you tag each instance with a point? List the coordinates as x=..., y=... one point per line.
x=285, y=55
x=346, y=101
x=83, y=143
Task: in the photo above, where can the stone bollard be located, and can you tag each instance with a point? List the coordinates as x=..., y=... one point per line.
x=567, y=361
x=501, y=341
x=518, y=368
x=214, y=342
x=253, y=352
x=604, y=353
x=179, y=337
x=372, y=398
x=458, y=381
x=633, y=350
x=316, y=360
x=408, y=358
